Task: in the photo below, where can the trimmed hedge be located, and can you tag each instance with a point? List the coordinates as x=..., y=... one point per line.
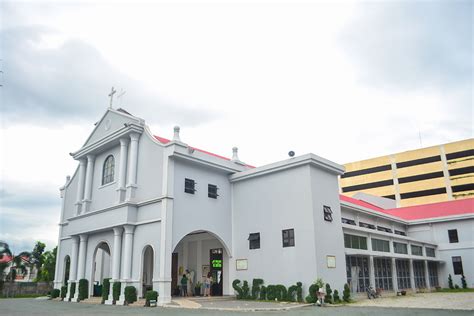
x=295, y=289
x=63, y=291
x=83, y=289
x=55, y=293
x=73, y=290
x=346, y=294
x=336, y=297
x=312, y=295
x=256, y=283
x=105, y=290
x=236, y=287
x=151, y=296
x=328, y=296
x=130, y=293
x=271, y=292
x=116, y=291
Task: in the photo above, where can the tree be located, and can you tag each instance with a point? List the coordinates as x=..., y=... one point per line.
x=450, y=282
x=4, y=251
x=46, y=271
x=36, y=255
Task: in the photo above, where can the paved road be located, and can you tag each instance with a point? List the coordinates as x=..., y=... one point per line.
x=37, y=307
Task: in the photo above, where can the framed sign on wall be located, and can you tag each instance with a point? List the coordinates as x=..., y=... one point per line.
x=241, y=264
x=331, y=261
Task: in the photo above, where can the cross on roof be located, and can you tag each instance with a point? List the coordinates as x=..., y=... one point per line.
x=111, y=95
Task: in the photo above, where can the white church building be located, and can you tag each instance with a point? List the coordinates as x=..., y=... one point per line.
x=141, y=209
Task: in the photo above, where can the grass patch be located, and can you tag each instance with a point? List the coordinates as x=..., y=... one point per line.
x=448, y=290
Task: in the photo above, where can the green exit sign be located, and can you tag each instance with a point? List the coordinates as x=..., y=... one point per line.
x=217, y=263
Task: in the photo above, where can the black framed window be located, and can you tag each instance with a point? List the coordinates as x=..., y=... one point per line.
x=348, y=221
x=189, y=186
x=453, y=236
x=108, y=170
x=327, y=213
x=457, y=265
x=416, y=250
x=288, y=236
x=380, y=245
x=366, y=225
x=212, y=191
x=355, y=242
x=399, y=232
x=400, y=248
x=430, y=252
x=254, y=241
x=384, y=229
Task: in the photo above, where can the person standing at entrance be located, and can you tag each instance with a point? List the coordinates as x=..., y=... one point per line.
x=190, y=283
x=184, y=286
x=207, y=285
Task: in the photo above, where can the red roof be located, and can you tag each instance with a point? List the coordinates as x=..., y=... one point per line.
x=7, y=258
x=424, y=211
x=166, y=141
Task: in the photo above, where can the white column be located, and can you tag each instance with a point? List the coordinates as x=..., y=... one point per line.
x=394, y=275
x=127, y=262
x=81, y=263
x=132, y=166
x=371, y=271
x=80, y=185
x=116, y=258
x=88, y=185
x=73, y=267
x=122, y=169
x=412, y=276
x=427, y=276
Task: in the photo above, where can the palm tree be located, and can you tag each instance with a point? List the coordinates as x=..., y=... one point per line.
x=4, y=251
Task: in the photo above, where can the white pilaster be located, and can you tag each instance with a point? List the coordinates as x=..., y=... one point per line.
x=80, y=185
x=427, y=275
x=88, y=186
x=73, y=267
x=394, y=275
x=127, y=260
x=412, y=276
x=371, y=271
x=122, y=169
x=116, y=257
x=132, y=166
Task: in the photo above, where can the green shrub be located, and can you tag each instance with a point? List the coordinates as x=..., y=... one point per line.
x=281, y=292
x=456, y=286
x=73, y=290
x=328, y=296
x=83, y=289
x=245, y=290
x=346, y=294
x=63, y=291
x=271, y=292
x=130, y=293
x=237, y=288
x=336, y=297
x=105, y=289
x=312, y=295
x=116, y=291
x=292, y=290
x=450, y=282
x=55, y=293
x=463, y=281
x=151, y=296
x=263, y=293
x=256, y=283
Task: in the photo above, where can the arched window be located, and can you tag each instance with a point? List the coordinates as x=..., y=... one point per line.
x=108, y=170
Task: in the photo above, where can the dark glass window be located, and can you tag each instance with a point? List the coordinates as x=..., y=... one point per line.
x=384, y=229
x=108, y=171
x=399, y=232
x=400, y=248
x=348, y=221
x=365, y=225
x=355, y=242
x=212, y=191
x=430, y=252
x=457, y=265
x=189, y=186
x=288, y=237
x=453, y=235
x=403, y=274
x=254, y=241
x=380, y=245
x=416, y=250
x=327, y=213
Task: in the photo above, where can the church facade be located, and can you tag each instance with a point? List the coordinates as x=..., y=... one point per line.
x=141, y=209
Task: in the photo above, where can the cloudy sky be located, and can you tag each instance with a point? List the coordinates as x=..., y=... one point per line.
x=346, y=80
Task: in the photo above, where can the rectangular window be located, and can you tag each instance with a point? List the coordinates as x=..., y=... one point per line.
x=457, y=265
x=433, y=272
x=430, y=252
x=403, y=274
x=212, y=191
x=383, y=273
x=254, y=241
x=355, y=242
x=348, y=221
x=400, y=248
x=380, y=245
x=399, y=232
x=453, y=235
x=288, y=236
x=357, y=272
x=365, y=225
x=384, y=229
x=416, y=250
x=327, y=213
x=189, y=186
x=419, y=274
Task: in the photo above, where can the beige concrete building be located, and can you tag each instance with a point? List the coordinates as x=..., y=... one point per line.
x=427, y=175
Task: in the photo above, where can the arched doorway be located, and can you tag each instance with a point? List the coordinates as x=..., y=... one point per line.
x=67, y=266
x=200, y=253
x=147, y=270
x=100, y=269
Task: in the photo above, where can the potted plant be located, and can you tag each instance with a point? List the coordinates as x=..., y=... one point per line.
x=197, y=288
